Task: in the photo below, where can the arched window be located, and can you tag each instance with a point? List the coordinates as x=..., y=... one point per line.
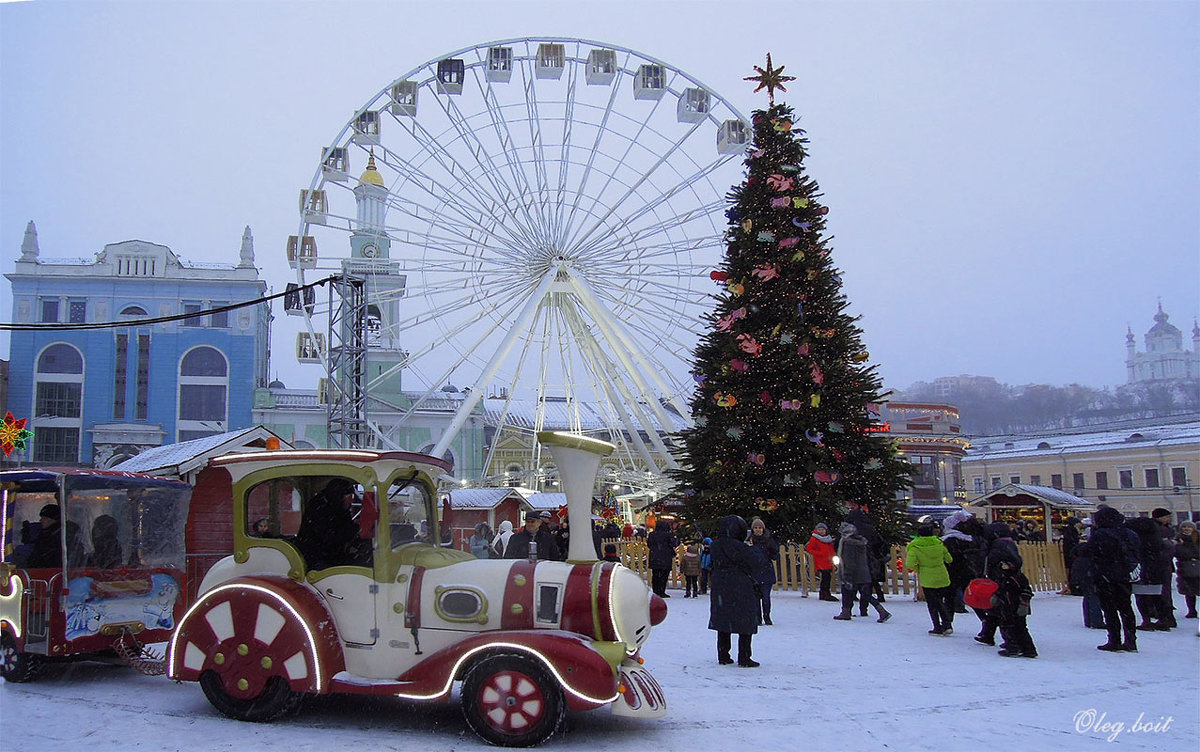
x=512, y=476
x=203, y=393
x=58, y=404
x=133, y=310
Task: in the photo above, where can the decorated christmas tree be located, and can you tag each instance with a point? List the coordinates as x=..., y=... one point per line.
x=786, y=406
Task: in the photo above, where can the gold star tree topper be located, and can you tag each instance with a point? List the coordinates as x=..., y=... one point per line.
x=770, y=79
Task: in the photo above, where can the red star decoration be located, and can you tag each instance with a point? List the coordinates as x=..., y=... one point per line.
x=770, y=79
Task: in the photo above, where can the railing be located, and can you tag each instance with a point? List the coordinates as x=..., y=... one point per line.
x=794, y=571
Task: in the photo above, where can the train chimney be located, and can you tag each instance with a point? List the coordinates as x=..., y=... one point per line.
x=578, y=460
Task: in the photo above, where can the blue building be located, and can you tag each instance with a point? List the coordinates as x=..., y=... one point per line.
x=98, y=394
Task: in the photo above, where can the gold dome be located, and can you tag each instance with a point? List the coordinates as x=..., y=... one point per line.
x=370, y=175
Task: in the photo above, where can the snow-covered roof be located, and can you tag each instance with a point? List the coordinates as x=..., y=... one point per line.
x=481, y=498
x=180, y=459
x=547, y=500
x=995, y=447
x=1055, y=497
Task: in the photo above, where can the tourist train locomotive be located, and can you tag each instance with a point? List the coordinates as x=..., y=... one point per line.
x=273, y=622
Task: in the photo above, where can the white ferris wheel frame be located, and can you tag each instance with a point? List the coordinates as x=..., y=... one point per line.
x=530, y=274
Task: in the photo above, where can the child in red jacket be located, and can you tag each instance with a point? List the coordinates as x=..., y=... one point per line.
x=820, y=548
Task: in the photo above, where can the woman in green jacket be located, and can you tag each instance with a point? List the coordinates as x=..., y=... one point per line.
x=928, y=557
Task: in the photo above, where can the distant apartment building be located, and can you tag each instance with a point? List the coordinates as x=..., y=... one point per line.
x=132, y=349
x=1133, y=469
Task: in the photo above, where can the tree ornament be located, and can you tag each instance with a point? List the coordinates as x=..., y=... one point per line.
x=756, y=458
x=767, y=505
x=826, y=477
x=789, y=242
x=790, y=404
x=766, y=236
x=817, y=376
x=815, y=437
x=699, y=378
x=734, y=433
x=814, y=400
x=836, y=427
x=805, y=226
x=798, y=256
x=781, y=202
x=739, y=365
x=718, y=276
x=737, y=288
x=747, y=225
x=766, y=272
x=802, y=349
x=860, y=357
x=780, y=183
x=766, y=398
x=770, y=79
x=725, y=400
x=872, y=464
x=749, y=345
x=779, y=438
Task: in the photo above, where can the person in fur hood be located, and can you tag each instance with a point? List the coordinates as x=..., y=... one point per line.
x=966, y=548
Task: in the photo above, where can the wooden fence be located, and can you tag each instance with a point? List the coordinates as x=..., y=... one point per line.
x=794, y=571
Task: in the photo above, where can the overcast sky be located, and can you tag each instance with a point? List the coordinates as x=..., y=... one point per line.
x=1010, y=184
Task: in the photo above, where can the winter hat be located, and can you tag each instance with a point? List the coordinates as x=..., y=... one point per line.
x=1187, y=523
x=708, y=541
x=50, y=511
x=847, y=529
x=533, y=514
x=820, y=526
x=1160, y=512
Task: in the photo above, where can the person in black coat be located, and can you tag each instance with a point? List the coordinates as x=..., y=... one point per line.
x=47, y=546
x=764, y=576
x=878, y=550
x=732, y=602
x=1114, y=557
x=1000, y=546
x=1082, y=582
x=1166, y=557
x=1154, y=573
x=1070, y=541
x=328, y=535
x=966, y=556
x=662, y=544
x=106, y=549
x=534, y=531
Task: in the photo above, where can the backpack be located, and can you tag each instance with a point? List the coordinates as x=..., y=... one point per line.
x=981, y=593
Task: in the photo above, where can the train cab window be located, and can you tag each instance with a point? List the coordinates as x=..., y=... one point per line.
x=273, y=508
x=322, y=516
x=408, y=514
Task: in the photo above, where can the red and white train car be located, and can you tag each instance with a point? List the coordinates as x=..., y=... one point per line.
x=404, y=616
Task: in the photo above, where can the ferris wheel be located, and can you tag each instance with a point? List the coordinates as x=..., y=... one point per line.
x=530, y=220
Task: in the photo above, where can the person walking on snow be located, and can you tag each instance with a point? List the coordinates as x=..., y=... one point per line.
x=928, y=557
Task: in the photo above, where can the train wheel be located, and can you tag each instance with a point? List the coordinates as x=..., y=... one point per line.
x=511, y=701
x=253, y=649
x=275, y=700
x=16, y=666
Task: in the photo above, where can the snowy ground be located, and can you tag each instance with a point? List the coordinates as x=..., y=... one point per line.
x=823, y=685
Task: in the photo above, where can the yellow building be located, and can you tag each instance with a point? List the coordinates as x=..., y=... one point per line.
x=1134, y=470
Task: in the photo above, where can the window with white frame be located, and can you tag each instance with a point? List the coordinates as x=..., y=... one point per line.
x=203, y=393
x=58, y=404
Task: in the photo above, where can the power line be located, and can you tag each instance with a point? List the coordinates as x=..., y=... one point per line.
x=57, y=327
